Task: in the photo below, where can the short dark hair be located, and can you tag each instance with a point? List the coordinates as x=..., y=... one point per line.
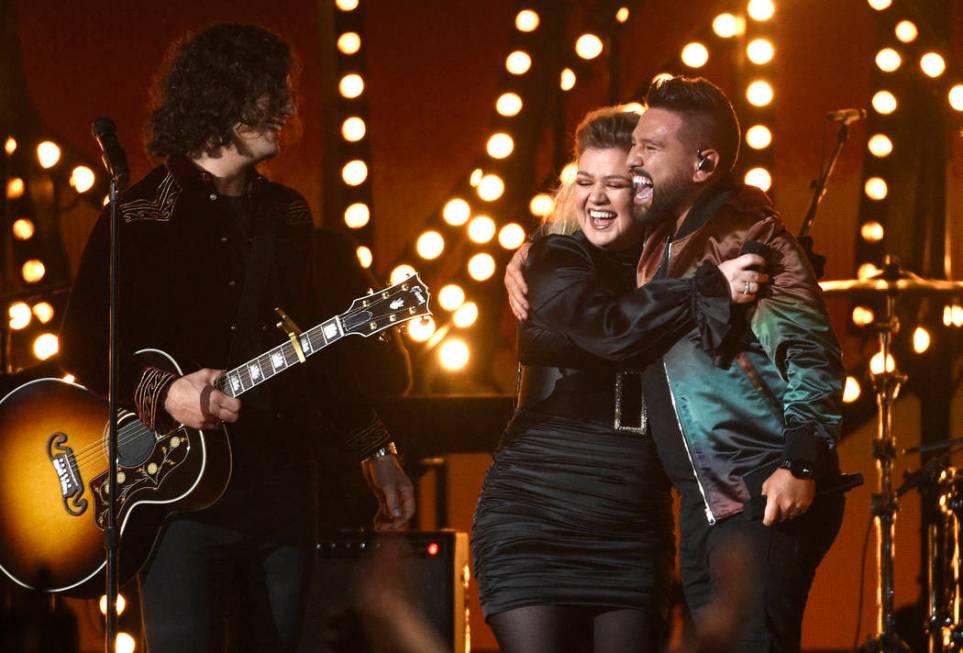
x=604, y=128
x=211, y=81
x=711, y=120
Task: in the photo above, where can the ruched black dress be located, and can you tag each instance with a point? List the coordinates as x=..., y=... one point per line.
x=576, y=511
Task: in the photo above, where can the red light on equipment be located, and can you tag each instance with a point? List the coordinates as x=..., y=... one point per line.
x=433, y=549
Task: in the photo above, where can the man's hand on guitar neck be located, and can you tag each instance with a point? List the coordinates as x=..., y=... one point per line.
x=193, y=401
x=396, y=496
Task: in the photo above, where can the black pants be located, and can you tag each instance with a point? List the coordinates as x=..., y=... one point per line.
x=761, y=574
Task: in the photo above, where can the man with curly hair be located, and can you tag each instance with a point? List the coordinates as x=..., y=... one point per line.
x=208, y=248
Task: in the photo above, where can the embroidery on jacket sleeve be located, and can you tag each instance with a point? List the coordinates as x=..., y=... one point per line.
x=159, y=209
x=298, y=212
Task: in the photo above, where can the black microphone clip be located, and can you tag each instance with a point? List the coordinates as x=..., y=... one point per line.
x=846, y=116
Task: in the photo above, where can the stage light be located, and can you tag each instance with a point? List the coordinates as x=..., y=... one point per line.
x=759, y=93
x=622, y=14
x=876, y=188
x=880, y=145
x=867, y=271
x=567, y=79
x=863, y=316
x=851, y=390
x=491, y=187
x=727, y=25
x=69, y=378
x=932, y=64
x=48, y=154
x=22, y=229
x=758, y=137
x=508, y=104
x=876, y=363
x=349, y=43
x=481, y=229
x=475, y=177
x=454, y=354
x=695, y=55
x=354, y=172
x=880, y=5
x=450, y=297
x=33, y=271
x=19, y=316
x=633, y=107
x=872, y=232
x=421, y=330
x=906, y=31
x=15, y=188
x=82, y=179
x=357, y=215
x=45, y=346
x=456, y=212
x=121, y=604
x=430, y=245
x=760, y=51
x=526, y=21
x=518, y=62
x=500, y=145
x=921, y=340
x=541, y=205
x=10, y=145
x=956, y=97
x=888, y=60
x=511, y=236
x=365, y=257
x=760, y=178
x=346, y=5
x=125, y=643
x=351, y=85
x=761, y=10
x=401, y=272
x=953, y=315
x=353, y=129
x=466, y=315
x=43, y=311
x=568, y=173
x=884, y=102
x=588, y=46
x=481, y=266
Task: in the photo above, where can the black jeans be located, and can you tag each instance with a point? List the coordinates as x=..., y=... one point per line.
x=766, y=584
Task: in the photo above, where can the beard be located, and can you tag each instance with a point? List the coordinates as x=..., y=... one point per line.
x=667, y=200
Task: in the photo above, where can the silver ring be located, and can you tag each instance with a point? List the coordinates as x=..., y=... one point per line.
x=745, y=287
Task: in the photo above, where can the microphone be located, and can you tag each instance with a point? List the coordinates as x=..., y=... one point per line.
x=846, y=116
x=115, y=160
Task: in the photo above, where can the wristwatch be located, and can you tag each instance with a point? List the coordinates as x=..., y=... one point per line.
x=802, y=469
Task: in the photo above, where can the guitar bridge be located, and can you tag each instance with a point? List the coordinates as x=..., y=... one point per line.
x=65, y=466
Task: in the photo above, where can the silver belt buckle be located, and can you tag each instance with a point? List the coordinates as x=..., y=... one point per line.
x=643, y=415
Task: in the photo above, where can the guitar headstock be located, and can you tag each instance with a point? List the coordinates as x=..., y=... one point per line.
x=386, y=308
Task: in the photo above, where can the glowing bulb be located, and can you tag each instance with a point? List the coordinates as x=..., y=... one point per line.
x=346, y=5
x=867, y=271
x=491, y=187
x=880, y=5
x=357, y=215
x=10, y=145
x=957, y=316
x=456, y=212
x=760, y=51
x=481, y=266
x=759, y=93
x=568, y=173
x=508, y=104
x=760, y=178
x=761, y=10
x=622, y=14
x=888, y=60
x=956, y=97
x=465, y=316
x=500, y=145
x=351, y=85
x=365, y=257
x=354, y=172
x=727, y=25
x=430, y=245
x=526, y=21
x=921, y=340
x=481, y=229
x=45, y=346
x=15, y=188
x=402, y=272
x=876, y=363
x=33, y=271
x=851, y=390
x=454, y=354
x=876, y=188
x=475, y=177
x=69, y=378
x=567, y=79
x=541, y=205
x=48, y=154
x=121, y=604
x=863, y=316
x=19, y=315
x=124, y=643
x=695, y=55
x=22, y=229
x=518, y=62
x=450, y=297
x=421, y=330
x=872, y=232
x=82, y=179
x=758, y=137
x=906, y=31
x=43, y=311
x=932, y=64
x=588, y=46
x=880, y=145
x=511, y=236
x=353, y=129
x=349, y=43
x=884, y=102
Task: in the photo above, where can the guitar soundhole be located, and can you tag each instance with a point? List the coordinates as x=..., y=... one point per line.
x=135, y=442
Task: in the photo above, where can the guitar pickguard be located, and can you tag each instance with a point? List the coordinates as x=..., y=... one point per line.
x=65, y=466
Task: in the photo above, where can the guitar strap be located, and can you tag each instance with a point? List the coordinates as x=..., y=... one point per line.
x=259, y=262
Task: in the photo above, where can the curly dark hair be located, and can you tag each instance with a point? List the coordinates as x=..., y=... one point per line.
x=211, y=81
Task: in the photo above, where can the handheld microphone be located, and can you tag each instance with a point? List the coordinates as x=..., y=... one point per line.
x=115, y=160
x=846, y=116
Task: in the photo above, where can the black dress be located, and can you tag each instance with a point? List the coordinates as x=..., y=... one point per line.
x=575, y=511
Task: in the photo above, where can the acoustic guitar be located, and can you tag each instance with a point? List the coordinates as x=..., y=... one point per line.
x=54, y=466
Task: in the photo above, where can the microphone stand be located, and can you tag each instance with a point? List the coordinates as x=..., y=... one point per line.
x=819, y=185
